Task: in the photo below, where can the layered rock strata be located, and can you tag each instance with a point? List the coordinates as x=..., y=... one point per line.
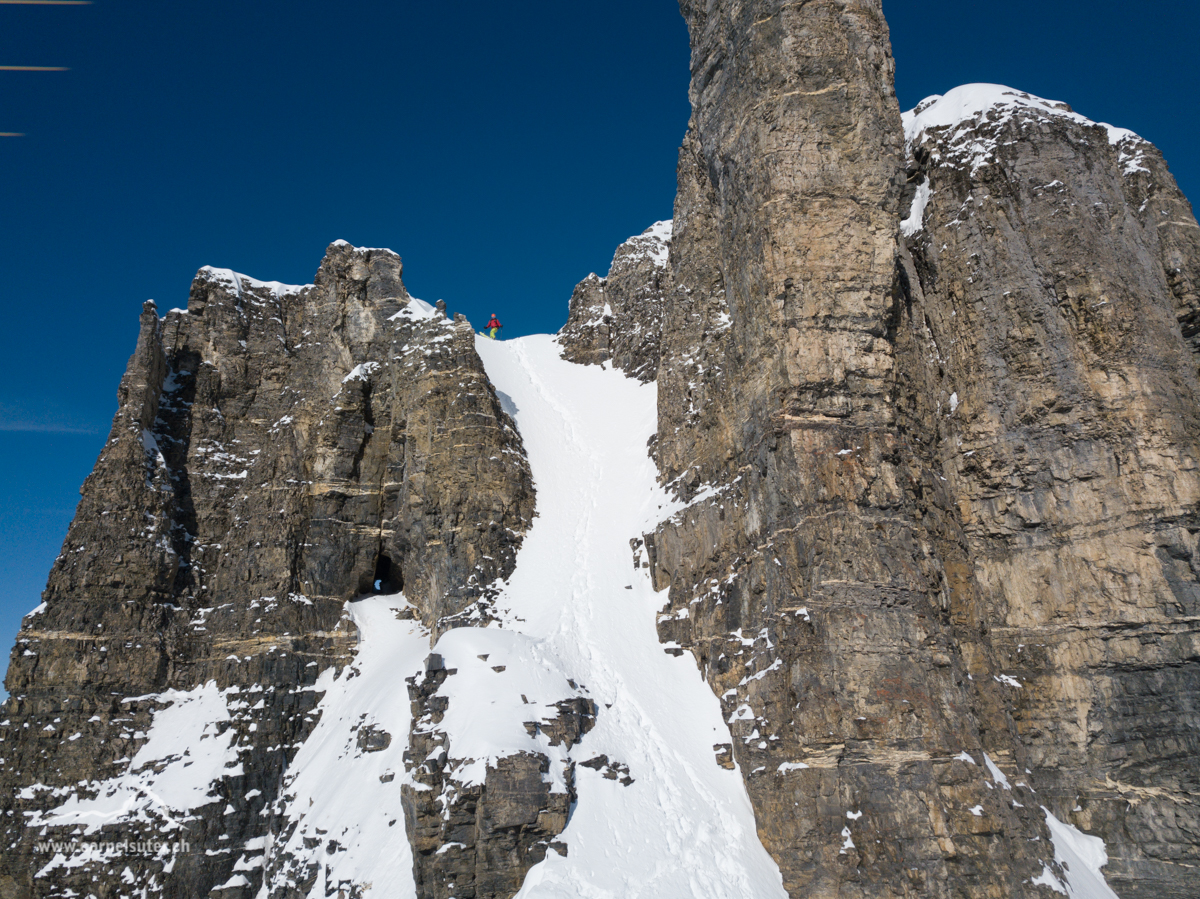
x=819, y=574
x=1049, y=286
x=277, y=452
x=893, y=622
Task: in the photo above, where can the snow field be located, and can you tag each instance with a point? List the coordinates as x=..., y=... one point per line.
x=577, y=620
x=685, y=827
x=337, y=792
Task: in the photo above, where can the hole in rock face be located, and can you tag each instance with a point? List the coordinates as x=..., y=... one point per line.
x=387, y=578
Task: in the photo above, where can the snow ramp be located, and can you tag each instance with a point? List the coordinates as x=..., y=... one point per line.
x=684, y=827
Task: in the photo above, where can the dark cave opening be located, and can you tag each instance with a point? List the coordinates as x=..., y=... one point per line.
x=387, y=578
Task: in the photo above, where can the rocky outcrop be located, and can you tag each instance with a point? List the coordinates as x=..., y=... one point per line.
x=278, y=451
x=618, y=318
x=476, y=838
x=1049, y=313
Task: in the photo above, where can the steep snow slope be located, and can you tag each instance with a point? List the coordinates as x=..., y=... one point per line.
x=342, y=799
x=684, y=828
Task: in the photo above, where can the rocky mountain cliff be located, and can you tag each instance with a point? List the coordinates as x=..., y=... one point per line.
x=820, y=574
x=278, y=451
x=922, y=392
x=618, y=318
x=1049, y=277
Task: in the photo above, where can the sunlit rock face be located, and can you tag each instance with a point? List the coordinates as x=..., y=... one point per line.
x=618, y=318
x=1049, y=277
x=935, y=406
x=820, y=575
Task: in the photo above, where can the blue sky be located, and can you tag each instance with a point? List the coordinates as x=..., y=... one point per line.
x=503, y=150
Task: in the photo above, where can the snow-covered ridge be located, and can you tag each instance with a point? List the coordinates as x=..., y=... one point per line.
x=345, y=243
x=963, y=110
x=277, y=289
x=417, y=310
x=240, y=282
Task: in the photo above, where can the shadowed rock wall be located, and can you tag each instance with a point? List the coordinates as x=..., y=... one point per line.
x=277, y=451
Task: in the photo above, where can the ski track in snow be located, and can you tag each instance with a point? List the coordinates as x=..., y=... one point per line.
x=685, y=827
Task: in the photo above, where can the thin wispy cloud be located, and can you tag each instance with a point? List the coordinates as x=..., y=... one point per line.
x=36, y=427
x=20, y=418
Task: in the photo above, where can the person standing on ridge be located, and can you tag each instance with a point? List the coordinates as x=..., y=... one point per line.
x=493, y=326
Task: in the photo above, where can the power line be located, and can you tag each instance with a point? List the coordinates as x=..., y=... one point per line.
x=33, y=68
x=11, y=134
x=45, y=2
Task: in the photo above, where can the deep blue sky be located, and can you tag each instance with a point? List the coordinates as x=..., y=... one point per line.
x=503, y=150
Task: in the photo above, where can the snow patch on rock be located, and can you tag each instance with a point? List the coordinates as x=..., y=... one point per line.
x=188, y=750
x=487, y=709
x=916, y=216
x=962, y=112
x=240, y=282
x=1082, y=857
x=653, y=243
x=417, y=310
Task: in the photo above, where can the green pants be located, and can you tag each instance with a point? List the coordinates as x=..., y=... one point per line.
x=492, y=333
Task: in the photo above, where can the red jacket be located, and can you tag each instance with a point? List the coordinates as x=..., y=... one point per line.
x=494, y=323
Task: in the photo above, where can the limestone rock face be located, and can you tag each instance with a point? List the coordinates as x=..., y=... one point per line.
x=819, y=574
x=932, y=561
x=1050, y=309
x=619, y=317
x=278, y=451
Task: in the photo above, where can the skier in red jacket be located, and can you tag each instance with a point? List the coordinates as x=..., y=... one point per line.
x=493, y=326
